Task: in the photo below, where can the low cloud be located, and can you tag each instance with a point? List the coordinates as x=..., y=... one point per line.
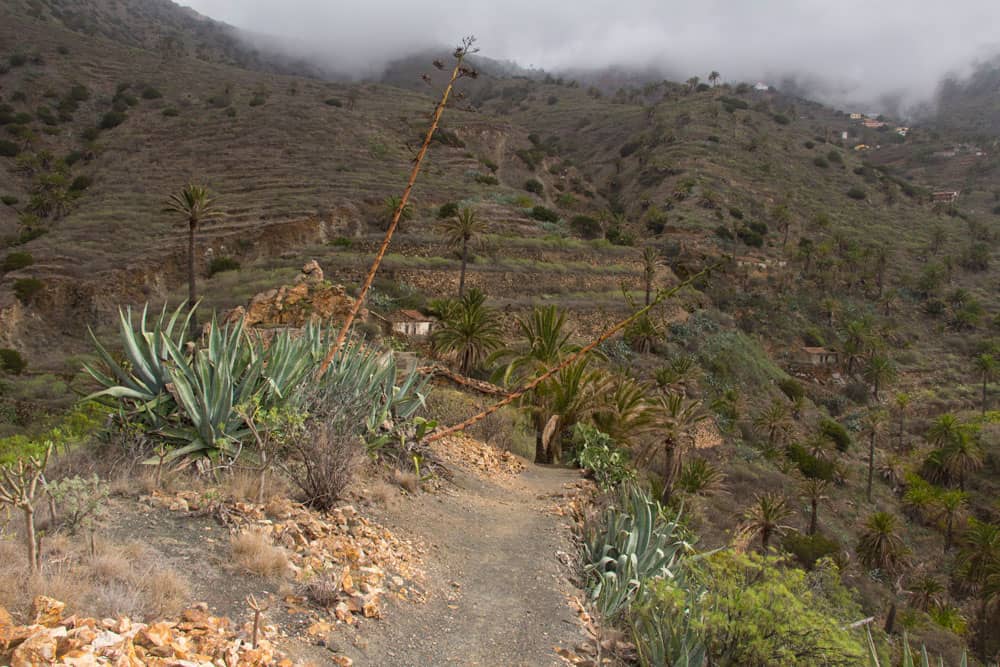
x=847, y=52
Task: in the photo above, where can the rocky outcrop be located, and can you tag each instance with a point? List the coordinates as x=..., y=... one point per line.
x=310, y=299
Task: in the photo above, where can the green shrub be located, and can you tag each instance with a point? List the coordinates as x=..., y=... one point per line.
x=231, y=112
x=9, y=149
x=487, y=179
x=810, y=465
x=834, y=157
x=15, y=261
x=17, y=60
x=219, y=101
x=585, y=226
x=11, y=361
x=791, y=388
x=81, y=183
x=857, y=193
x=9, y=200
x=489, y=164
x=334, y=102
x=809, y=549
x=151, y=94
x=809, y=144
x=171, y=112
x=724, y=233
x=72, y=158
x=78, y=93
x=90, y=134
x=596, y=453
x=26, y=289
x=781, y=119
x=543, y=214
x=81, y=501
x=258, y=100
x=111, y=120
x=733, y=103
x=341, y=242
x=836, y=433
x=222, y=264
x=534, y=186
x=617, y=236
x=821, y=162
x=448, y=210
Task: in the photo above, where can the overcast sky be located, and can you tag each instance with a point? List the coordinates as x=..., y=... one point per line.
x=858, y=49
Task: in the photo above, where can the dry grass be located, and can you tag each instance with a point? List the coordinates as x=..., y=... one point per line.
x=380, y=493
x=406, y=480
x=254, y=553
x=244, y=486
x=322, y=589
x=126, y=579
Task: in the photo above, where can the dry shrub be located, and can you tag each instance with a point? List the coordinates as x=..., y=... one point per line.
x=127, y=579
x=254, y=552
x=244, y=485
x=322, y=462
x=406, y=480
x=322, y=589
x=380, y=493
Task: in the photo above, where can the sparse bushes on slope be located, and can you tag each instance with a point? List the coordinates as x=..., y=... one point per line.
x=111, y=120
x=222, y=264
x=11, y=361
x=543, y=214
x=15, y=261
x=27, y=289
x=9, y=149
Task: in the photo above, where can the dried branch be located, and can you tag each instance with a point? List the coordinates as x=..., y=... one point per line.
x=460, y=71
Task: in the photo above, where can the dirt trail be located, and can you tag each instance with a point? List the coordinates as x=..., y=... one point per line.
x=498, y=588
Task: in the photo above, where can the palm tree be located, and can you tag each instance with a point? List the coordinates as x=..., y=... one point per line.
x=693, y=83
x=872, y=425
x=571, y=395
x=765, y=517
x=950, y=504
x=624, y=413
x=774, y=421
x=978, y=563
x=459, y=231
x=880, y=546
x=857, y=335
x=881, y=255
x=714, y=77
x=926, y=592
x=650, y=262
x=471, y=331
x=389, y=207
x=544, y=342
x=961, y=457
x=830, y=307
x=945, y=430
x=902, y=401
x=987, y=367
x=196, y=204
x=879, y=371
x=782, y=218
x=674, y=418
x=814, y=490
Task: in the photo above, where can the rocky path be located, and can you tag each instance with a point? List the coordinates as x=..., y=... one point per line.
x=498, y=591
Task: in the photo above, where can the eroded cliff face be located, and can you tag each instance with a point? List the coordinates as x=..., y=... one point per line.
x=311, y=299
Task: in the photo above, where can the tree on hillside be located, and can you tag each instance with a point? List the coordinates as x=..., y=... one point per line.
x=814, y=490
x=470, y=330
x=693, y=83
x=651, y=260
x=459, y=231
x=830, y=307
x=872, y=426
x=571, y=395
x=978, y=566
x=857, y=339
x=782, y=219
x=543, y=343
x=880, y=256
x=674, y=419
x=774, y=421
x=950, y=505
x=961, y=457
x=880, y=370
x=623, y=411
x=766, y=517
x=195, y=203
x=901, y=405
x=714, y=77
x=389, y=206
x=987, y=367
x=880, y=546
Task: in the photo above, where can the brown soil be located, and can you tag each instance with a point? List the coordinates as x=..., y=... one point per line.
x=498, y=591
x=497, y=588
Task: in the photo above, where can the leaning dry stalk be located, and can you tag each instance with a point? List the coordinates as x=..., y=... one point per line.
x=660, y=297
x=460, y=54
x=258, y=609
x=18, y=488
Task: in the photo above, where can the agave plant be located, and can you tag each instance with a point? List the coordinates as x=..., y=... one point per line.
x=139, y=383
x=908, y=659
x=633, y=544
x=208, y=387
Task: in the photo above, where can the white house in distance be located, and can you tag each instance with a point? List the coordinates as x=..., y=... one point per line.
x=761, y=86
x=410, y=323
